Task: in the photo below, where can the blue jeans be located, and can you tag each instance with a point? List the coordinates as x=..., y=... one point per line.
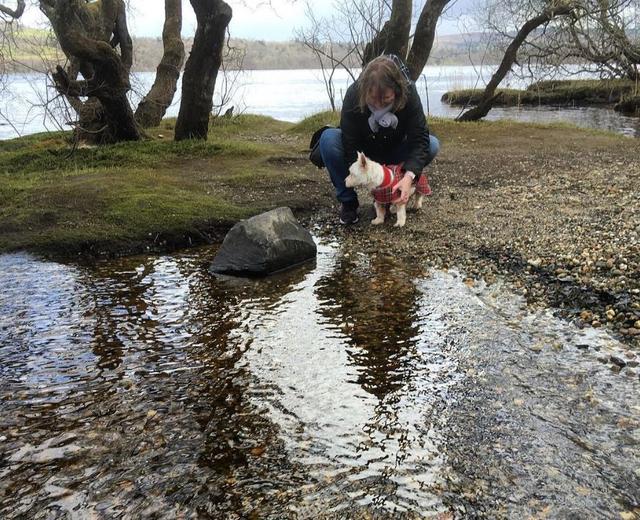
x=332, y=154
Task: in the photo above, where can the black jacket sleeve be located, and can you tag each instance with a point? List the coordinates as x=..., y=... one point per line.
x=417, y=134
x=349, y=125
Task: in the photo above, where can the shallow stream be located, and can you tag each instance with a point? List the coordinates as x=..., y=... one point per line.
x=352, y=387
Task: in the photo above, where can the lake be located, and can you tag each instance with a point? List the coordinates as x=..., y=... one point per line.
x=291, y=95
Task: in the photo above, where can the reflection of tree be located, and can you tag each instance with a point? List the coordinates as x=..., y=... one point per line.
x=374, y=302
x=118, y=292
x=241, y=443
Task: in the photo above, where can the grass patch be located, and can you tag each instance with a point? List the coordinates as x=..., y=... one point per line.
x=509, y=128
x=52, y=200
x=310, y=124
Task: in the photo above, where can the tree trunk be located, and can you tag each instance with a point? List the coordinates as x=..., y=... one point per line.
x=489, y=95
x=394, y=36
x=152, y=108
x=424, y=36
x=201, y=70
x=83, y=31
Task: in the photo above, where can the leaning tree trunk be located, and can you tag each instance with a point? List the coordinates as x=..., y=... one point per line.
x=201, y=70
x=152, y=108
x=423, y=37
x=489, y=96
x=394, y=36
x=84, y=31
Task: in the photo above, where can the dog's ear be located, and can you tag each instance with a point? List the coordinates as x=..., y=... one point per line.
x=362, y=159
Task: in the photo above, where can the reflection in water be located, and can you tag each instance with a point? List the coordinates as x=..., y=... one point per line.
x=377, y=304
x=145, y=387
x=348, y=353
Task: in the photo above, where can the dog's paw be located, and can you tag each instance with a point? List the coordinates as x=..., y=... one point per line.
x=377, y=221
x=399, y=224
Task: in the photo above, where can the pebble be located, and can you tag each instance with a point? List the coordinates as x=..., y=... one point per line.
x=618, y=361
x=3, y=438
x=633, y=331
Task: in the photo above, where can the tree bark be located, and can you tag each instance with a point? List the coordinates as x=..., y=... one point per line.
x=84, y=31
x=424, y=36
x=153, y=107
x=394, y=36
x=201, y=70
x=489, y=96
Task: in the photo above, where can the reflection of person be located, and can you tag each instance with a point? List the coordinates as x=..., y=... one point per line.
x=382, y=116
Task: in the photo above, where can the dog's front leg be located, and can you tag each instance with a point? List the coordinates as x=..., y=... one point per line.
x=401, y=210
x=380, y=212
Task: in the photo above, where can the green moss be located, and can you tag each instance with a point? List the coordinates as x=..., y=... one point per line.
x=53, y=198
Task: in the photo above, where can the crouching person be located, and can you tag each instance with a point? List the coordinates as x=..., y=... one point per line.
x=382, y=116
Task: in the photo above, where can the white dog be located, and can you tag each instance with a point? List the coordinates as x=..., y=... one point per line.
x=380, y=180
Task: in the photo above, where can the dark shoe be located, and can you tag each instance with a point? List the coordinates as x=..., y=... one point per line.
x=349, y=213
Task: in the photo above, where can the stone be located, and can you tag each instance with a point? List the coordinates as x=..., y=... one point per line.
x=264, y=244
x=617, y=360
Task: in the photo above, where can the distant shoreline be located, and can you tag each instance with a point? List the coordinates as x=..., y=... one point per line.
x=32, y=44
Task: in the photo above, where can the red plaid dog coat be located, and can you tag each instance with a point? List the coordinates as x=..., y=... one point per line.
x=393, y=173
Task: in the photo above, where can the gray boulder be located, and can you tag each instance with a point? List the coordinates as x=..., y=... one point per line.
x=264, y=244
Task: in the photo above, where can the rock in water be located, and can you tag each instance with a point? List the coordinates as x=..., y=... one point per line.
x=264, y=244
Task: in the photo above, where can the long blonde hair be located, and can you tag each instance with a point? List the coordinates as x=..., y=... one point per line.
x=380, y=74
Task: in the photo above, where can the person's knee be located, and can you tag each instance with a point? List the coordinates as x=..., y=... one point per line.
x=331, y=143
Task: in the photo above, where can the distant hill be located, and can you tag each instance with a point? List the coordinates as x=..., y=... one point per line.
x=456, y=49
x=37, y=50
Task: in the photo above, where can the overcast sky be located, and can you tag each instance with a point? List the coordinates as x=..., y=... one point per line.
x=251, y=20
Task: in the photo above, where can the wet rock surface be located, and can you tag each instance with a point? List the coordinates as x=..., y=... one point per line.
x=264, y=244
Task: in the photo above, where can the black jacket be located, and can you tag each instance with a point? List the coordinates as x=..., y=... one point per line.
x=357, y=136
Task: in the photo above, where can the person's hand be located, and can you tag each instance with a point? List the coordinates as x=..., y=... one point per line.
x=404, y=187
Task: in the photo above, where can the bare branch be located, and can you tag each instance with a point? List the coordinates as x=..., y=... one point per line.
x=13, y=13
